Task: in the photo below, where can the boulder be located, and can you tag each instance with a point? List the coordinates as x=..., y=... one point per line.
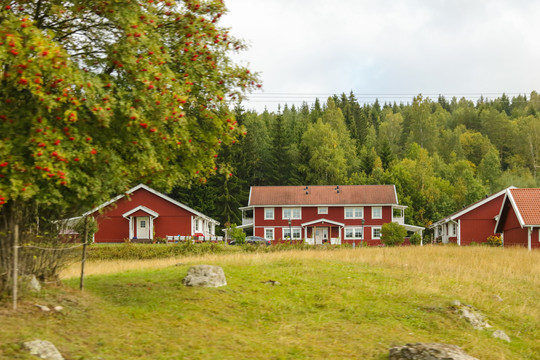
x=44, y=349
x=205, y=275
x=428, y=351
x=31, y=283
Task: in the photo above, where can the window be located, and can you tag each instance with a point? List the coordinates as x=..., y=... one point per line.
x=269, y=233
x=376, y=212
x=376, y=233
x=142, y=224
x=453, y=227
x=322, y=210
x=296, y=233
x=268, y=213
x=292, y=213
x=196, y=225
x=354, y=212
x=353, y=233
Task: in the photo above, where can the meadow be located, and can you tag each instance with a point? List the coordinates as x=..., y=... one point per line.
x=335, y=304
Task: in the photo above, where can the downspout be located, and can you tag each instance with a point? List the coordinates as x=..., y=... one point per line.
x=529, y=238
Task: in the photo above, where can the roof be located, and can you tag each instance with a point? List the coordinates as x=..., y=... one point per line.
x=526, y=204
x=323, y=195
x=157, y=193
x=471, y=207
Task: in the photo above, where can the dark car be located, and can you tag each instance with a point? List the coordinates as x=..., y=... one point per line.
x=254, y=240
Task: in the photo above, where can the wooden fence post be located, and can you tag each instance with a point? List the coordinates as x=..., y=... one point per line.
x=83, y=260
x=15, y=263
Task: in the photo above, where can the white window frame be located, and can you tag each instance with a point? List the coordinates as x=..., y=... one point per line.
x=296, y=233
x=453, y=229
x=273, y=233
x=293, y=216
x=322, y=210
x=354, y=212
x=373, y=233
x=373, y=212
x=266, y=217
x=196, y=225
x=354, y=229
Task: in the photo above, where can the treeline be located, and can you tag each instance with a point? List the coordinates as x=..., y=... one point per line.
x=441, y=154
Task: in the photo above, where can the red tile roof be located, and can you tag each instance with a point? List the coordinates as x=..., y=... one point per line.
x=323, y=195
x=527, y=202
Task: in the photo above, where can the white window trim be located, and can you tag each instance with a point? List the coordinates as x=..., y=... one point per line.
x=354, y=211
x=354, y=232
x=294, y=230
x=273, y=214
x=373, y=232
x=273, y=233
x=322, y=210
x=292, y=213
x=372, y=214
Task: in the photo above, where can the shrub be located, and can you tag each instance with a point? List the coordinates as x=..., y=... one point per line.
x=494, y=240
x=415, y=239
x=236, y=234
x=393, y=234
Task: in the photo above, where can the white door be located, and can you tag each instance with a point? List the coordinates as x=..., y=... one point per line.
x=320, y=235
x=143, y=227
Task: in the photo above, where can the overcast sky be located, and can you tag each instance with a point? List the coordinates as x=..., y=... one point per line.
x=388, y=49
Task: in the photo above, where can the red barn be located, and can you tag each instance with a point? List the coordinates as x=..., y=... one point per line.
x=143, y=214
x=339, y=214
x=474, y=223
x=519, y=218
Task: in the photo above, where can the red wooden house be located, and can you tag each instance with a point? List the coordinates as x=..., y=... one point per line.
x=519, y=218
x=143, y=214
x=323, y=214
x=474, y=223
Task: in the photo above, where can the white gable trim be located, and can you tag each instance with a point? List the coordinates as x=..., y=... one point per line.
x=471, y=208
x=143, y=208
x=157, y=193
x=322, y=220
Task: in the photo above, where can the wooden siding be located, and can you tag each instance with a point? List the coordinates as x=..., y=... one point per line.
x=478, y=224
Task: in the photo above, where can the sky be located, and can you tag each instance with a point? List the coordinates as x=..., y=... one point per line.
x=390, y=50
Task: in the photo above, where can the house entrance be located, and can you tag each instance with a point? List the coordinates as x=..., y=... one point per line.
x=143, y=227
x=321, y=236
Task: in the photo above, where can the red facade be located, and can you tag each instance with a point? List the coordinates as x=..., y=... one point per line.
x=147, y=215
x=474, y=223
x=519, y=222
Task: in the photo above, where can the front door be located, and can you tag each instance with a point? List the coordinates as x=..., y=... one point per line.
x=321, y=235
x=143, y=227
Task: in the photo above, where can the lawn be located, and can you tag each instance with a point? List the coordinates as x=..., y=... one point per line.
x=335, y=304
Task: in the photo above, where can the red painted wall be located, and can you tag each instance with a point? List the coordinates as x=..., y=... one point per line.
x=514, y=235
x=172, y=220
x=478, y=224
x=335, y=213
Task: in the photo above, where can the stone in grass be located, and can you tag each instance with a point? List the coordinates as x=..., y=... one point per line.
x=473, y=316
x=499, y=334
x=44, y=349
x=428, y=351
x=205, y=275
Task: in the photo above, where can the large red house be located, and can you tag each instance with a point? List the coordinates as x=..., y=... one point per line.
x=519, y=218
x=472, y=224
x=339, y=214
x=143, y=214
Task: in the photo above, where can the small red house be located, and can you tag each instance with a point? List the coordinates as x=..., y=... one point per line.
x=474, y=223
x=519, y=218
x=143, y=214
x=339, y=214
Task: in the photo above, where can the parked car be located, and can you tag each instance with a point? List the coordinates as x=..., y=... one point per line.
x=254, y=240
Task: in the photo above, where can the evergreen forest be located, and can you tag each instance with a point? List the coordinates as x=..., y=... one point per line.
x=442, y=155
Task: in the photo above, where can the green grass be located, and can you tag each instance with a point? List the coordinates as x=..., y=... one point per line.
x=330, y=305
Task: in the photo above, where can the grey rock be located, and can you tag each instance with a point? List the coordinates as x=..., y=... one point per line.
x=43, y=308
x=44, y=349
x=498, y=298
x=31, y=283
x=473, y=316
x=271, y=282
x=205, y=275
x=428, y=351
x=58, y=308
x=499, y=334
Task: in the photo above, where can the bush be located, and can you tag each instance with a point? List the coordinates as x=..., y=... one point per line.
x=494, y=240
x=393, y=234
x=236, y=234
x=415, y=239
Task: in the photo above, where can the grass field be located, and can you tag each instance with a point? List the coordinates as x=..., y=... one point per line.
x=339, y=304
